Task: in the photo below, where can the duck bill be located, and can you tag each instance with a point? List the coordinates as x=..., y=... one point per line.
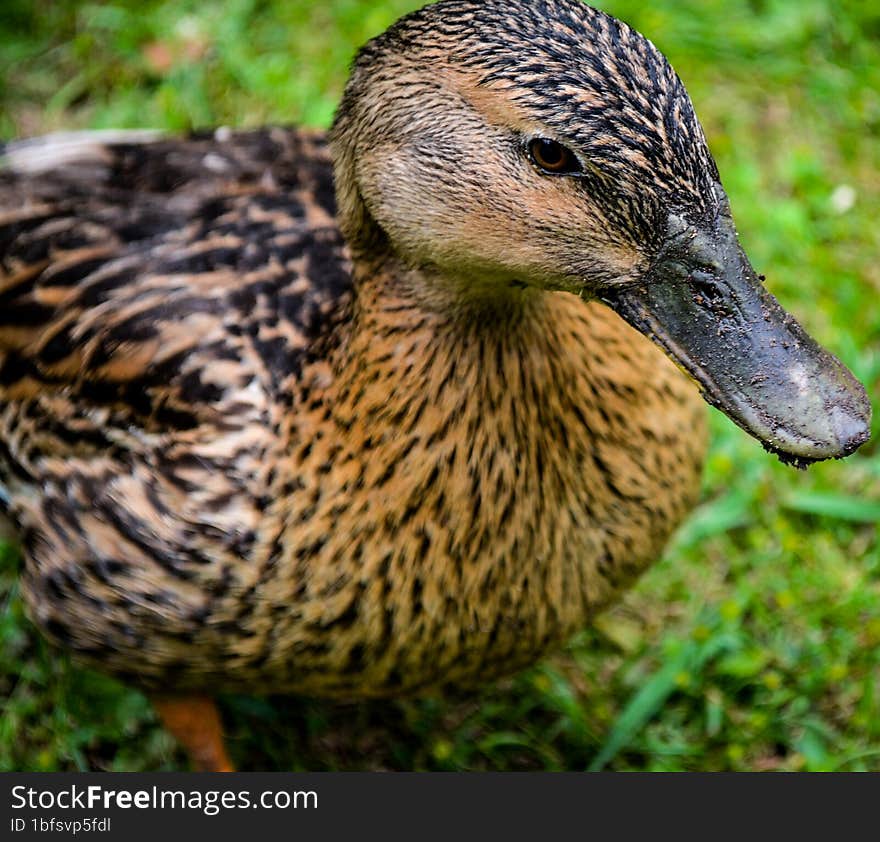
x=704, y=305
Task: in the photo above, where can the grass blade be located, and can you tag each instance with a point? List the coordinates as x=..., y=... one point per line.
x=837, y=506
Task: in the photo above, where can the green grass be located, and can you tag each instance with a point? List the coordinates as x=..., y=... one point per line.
x=755, y=642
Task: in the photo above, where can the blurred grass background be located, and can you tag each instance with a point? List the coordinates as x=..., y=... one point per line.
x=755, y=642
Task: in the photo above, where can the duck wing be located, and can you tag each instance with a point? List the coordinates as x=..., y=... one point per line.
x=158, y=301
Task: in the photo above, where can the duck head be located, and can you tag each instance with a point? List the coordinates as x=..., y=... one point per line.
x=501, y=147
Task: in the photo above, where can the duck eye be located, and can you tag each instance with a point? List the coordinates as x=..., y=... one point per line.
x=553, y=157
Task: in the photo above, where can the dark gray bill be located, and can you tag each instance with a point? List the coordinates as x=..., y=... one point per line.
x=704, y=305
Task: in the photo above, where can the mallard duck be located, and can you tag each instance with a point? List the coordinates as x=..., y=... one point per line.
x=403, y=407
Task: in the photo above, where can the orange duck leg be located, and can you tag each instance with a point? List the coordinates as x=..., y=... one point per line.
x=195, y=723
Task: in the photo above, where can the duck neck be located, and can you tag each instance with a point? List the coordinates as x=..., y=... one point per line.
x=484, y=355
x=465, y=301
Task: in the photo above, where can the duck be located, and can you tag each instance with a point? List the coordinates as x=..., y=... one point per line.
x=401, y=406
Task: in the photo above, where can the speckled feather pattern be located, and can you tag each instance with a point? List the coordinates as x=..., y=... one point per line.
x=242, y=456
